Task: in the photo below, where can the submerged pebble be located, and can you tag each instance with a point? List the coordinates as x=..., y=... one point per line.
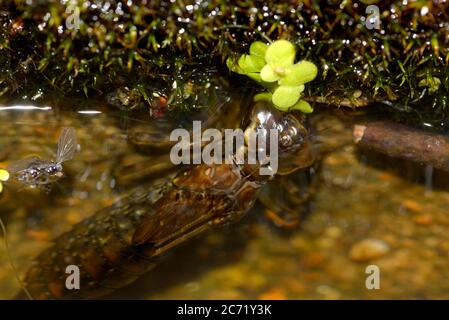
x=368, y=249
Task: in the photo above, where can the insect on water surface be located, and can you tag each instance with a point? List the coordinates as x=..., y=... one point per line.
x=37, y=173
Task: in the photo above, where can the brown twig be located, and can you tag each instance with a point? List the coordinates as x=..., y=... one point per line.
x=397, y=140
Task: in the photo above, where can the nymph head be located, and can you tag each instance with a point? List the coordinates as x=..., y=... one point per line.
x=293, y=147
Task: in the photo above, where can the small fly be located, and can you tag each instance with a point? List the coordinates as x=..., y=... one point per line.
x=37, y=173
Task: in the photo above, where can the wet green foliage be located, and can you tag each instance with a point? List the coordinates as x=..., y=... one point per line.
x=143, y=47
x=272, y=66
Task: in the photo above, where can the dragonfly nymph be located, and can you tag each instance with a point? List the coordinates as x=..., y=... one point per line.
x=119, y=243
x=34, y=172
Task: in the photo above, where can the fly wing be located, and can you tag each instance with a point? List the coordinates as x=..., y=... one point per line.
x=22, y=164
x=66, y=145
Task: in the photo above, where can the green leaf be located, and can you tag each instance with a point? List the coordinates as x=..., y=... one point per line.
x=302, y=106
x=255, y=76
x=267, y=74
x=284, y=97
x=263, y=96
x=250, y=63
x=258, y=49
x=280, y=54
x=300, y=73
x=232, y=66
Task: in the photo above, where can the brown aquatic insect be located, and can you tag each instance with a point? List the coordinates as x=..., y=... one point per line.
x=119, y=243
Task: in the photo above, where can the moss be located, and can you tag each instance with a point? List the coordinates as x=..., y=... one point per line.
x=148, y=45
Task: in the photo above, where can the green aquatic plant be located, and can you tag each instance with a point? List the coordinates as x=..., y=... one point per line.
x=401, y=68
x=273, y=66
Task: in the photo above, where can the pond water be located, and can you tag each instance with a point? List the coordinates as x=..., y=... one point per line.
x=366, y=210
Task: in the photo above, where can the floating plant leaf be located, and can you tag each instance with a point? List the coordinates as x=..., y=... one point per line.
x=233, y=66
x=255, y=76
x=258, y=49
x=302, y=106
x=280, y=54
x=263, y=96
x=267, y=74
x=284, y=97
x=300, y=73
x=273, y=67
x=249, y=63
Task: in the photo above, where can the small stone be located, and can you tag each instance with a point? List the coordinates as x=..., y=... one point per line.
x=313, y=259
x=423, y=219
x=273, y=294
x=38, y=235
x=328, y=292
x=368, y=249
x=412, y=205
x=333, y=232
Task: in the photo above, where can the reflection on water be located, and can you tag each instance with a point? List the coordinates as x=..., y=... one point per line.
x=363, y=202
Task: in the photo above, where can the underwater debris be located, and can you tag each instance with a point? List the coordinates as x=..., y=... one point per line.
x=34, y=172
x=274, y=63
x=397, y=140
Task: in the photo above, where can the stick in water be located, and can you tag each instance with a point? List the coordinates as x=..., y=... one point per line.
x=397, y=140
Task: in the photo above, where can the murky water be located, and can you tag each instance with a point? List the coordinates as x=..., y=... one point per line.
x=364, y=212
